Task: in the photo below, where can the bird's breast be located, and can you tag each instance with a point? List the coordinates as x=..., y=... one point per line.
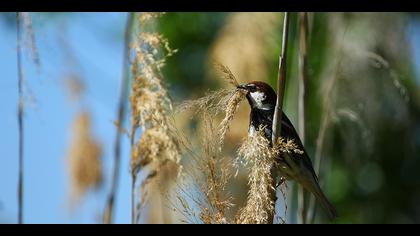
x=261, y=119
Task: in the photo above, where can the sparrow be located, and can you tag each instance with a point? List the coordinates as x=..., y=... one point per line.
x=295, y=166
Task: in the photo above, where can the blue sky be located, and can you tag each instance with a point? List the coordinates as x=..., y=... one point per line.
x=92, y=49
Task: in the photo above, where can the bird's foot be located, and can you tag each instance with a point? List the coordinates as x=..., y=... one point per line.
x=282, y=181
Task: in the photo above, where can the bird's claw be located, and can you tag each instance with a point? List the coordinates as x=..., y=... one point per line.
x=282, y=181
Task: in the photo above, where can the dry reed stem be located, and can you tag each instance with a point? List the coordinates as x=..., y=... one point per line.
x=109, y=208
x=84, y=158
x=281, y=80
x=281, y=86
x=20, y=116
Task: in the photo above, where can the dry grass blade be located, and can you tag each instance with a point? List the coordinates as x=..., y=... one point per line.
x=213, y=103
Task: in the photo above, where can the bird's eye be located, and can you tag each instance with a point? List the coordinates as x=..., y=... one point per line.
x=252, y=88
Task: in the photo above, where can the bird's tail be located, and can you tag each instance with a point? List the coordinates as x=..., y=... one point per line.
x=320, y=196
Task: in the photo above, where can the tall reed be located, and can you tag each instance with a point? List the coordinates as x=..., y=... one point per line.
x=281, y=85
x=20, y=115
x=121, y=110
x=302, y=96
x=151, y=107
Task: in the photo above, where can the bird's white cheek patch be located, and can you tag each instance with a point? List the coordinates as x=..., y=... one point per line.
x=258, y=98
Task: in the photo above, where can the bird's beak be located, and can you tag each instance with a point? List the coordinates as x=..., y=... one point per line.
x=242, y=86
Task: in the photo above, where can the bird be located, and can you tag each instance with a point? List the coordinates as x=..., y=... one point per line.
x=295, y=166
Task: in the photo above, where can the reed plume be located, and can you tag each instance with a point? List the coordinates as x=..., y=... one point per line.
x=201, y=194
x=84, y=158
x=257, y=153
x=216, y=172
x=150, y=108
x=209, y=171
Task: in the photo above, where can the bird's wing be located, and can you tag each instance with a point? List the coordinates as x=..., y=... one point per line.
x=288, y=131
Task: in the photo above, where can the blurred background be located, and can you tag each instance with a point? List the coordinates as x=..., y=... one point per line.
x=361, y=121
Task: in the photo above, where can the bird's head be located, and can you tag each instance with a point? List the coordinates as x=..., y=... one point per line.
x=259, y=95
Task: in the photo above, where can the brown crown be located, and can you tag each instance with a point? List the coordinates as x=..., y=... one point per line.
x=267, y=90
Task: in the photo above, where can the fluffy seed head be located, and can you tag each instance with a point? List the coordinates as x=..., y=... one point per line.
x=84, y=158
